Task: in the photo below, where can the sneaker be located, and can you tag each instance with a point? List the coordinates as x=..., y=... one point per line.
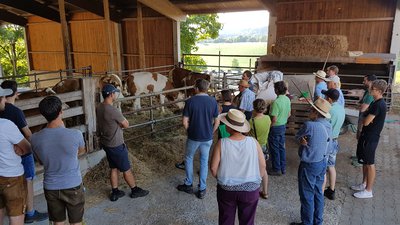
x=186, y=188
x=363, y=194
x=329, y=193
x=138, y=192
x=353, y=157
x=358, y=187
x=274, y=173
x=355, y=163
x=201, y=194
x=283, y=172
x=115, y=195
x=180, y=165
x=37, y=216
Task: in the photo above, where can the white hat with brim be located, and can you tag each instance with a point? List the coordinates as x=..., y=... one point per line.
x=335, y=79
x=322, y=106
x=5, y=92
x=321, y=75
x=236, y=120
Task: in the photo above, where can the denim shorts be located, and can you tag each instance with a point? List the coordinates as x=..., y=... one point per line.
x=332, y=152
x=29, y=166
x=118, y=158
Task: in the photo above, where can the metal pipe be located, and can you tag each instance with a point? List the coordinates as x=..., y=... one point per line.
x=165, y=128
x=153, y=121
x=153, y=94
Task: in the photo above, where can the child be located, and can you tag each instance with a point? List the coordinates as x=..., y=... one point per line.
x=224, y=108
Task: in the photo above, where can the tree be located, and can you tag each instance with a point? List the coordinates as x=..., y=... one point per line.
x=197, y=28
x=12, y=51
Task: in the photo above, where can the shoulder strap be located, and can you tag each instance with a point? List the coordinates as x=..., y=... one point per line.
x=254, y=128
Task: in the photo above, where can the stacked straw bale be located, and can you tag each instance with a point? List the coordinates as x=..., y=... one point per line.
x=311, y=45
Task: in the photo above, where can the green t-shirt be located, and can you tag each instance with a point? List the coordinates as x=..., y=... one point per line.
x=280, y=108
x=262, y=125
x=367, y=98
x=337, y=118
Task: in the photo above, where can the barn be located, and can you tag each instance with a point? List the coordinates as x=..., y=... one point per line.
x=75, y=37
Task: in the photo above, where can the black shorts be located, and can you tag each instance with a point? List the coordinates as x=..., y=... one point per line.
x=118, y=158
x=366, y=148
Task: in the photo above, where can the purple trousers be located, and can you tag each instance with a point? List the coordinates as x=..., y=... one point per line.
x=245, y=201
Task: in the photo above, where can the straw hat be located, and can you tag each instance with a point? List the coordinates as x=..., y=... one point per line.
x=321, y=75
x=244, y=83
x=322, y=106
x=236, y=120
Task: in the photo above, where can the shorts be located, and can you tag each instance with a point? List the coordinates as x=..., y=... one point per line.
x=29, y=166
x=332, y=152
x=366, y=148
x=71, y=199
x=118, y=158
x=13, y=195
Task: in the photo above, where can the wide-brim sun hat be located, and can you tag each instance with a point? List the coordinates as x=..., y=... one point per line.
x=321, y=75
x=5, y=92
x=236, y=120
x=322, y=106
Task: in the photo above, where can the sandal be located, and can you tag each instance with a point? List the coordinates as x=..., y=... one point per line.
x=264, y=196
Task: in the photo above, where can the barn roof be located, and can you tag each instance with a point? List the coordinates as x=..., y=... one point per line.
x=17, y=11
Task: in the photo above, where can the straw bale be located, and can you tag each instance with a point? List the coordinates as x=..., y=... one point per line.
x=311, y=45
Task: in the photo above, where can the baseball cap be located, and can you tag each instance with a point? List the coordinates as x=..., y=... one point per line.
x=331, y=93
x=109, y=88
x=5, y=92
x=335, y=79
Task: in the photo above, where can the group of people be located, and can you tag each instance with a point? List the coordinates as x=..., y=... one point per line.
x=250, y=134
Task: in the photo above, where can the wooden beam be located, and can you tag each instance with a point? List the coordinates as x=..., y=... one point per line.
x=222, y=10
x=142, y=53
x=338, y=20
x=12, y=18
x=270, y=5
x=95, y=7
x=107, y=25
x=33, y=7
x=192, y=2
x=166, y=8
x=65, y=37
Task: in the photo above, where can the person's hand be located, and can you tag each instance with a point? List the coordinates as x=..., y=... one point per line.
x=303, y=141
x=18, y=150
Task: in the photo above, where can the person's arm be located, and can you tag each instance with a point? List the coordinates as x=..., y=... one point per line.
x=23, y=147
x=81, y=150
x=261, y=160
x=124, y=123
x=367, y=120
x=273, y=120
x=26, y=132
x=185, y=122
x=364, y=107
x=215, y=159
x=216, y=124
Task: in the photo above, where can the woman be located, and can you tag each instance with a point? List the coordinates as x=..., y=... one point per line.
x=259, y=129
x=238, y=164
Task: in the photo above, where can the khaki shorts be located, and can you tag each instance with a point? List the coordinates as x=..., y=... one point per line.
x=72, y=200
x=13, y=195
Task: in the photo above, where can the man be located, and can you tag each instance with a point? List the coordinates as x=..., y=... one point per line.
x=334, y=82
x=280, y=112
x=320, y=84
x=366, y=100
x=200, y=119
x=13, y=113
x=314, y=137
x=110, y=123
x=58, y=148
x=337, y=119
x=12, y=182
x=333, y=71
x=247, y=77
x=374, y=119
x=247, y=99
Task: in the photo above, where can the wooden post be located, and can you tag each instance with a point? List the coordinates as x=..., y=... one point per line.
x=65, y=38
x=271, y=33
x=177, y=41
x=89, y=108
x=107, y=24
x=142, y=59
x=119, y=46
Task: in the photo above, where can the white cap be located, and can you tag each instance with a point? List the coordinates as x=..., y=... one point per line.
x=5, y=92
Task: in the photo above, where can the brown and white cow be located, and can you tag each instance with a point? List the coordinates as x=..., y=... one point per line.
x=116, y=82
x=147, y=82
x=184, y=78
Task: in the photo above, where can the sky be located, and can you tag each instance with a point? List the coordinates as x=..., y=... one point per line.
x=243, y=20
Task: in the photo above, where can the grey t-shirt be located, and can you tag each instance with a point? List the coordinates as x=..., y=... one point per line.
x=108, y=120
x=57, y=148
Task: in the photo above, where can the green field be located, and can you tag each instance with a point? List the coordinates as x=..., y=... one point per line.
x=245, y=48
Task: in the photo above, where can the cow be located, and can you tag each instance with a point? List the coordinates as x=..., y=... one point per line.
x=146, y=82
x=116, y=82
x=184, y=78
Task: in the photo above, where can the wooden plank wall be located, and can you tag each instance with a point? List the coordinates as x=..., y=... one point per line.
x=368, y=24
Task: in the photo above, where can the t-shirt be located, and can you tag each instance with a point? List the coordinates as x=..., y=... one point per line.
x=57, y=148
x=337, y=118
x=318, y=88
x=280, y=108
x=201, y=110
x=13, y=113
x=262, y=125
x=367, y=98
x=377, y=108
x=108, y=120
x=341, y=98
x=246, y=102
x=10, y=162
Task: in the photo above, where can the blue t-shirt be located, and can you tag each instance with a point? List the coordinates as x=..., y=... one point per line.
x=247, y=100
x=341, y=97
x=13, y=113
x=57, y=148
x=201, y=110
x=318, y=88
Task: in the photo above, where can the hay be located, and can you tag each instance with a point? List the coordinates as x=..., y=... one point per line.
x=311, y=45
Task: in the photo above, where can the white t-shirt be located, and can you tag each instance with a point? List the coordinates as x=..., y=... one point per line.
x=10, y=163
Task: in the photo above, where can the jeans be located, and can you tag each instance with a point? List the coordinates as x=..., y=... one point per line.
x=191, y=148
x=276, y=142
x=311, y=178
